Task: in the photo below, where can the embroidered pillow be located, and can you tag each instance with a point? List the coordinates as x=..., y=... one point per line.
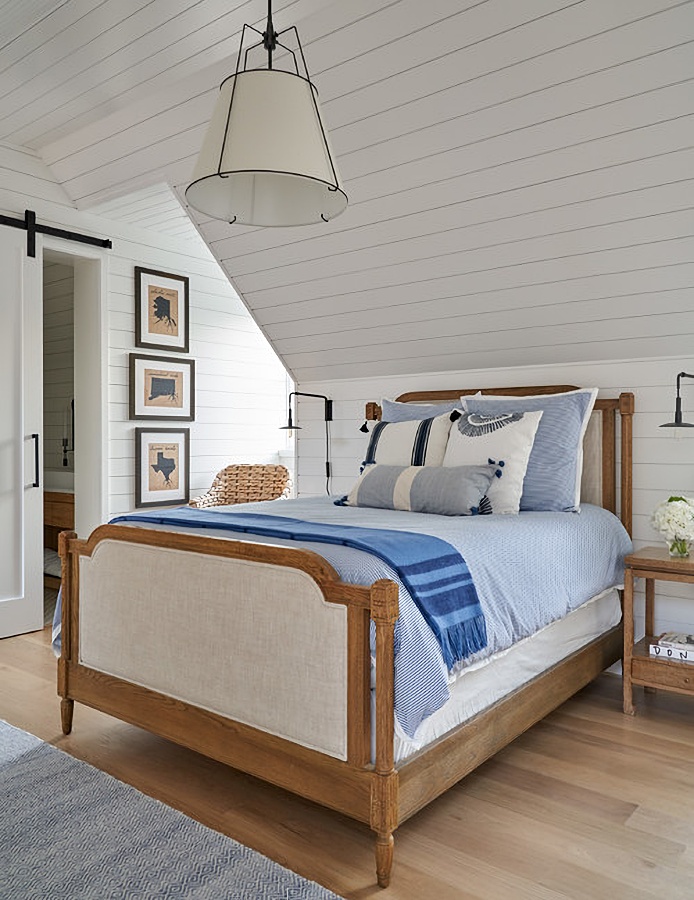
x=415, y=443
x=458, y=491
x=553, y=479
x=507, y=439
x=395, y=411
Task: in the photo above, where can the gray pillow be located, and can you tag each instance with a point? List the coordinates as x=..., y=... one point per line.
x=453, y=491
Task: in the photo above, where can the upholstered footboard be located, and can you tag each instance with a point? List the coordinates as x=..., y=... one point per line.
x=255, y=655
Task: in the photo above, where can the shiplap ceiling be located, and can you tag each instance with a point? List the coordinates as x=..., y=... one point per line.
x=520, y=174
x=157, y=208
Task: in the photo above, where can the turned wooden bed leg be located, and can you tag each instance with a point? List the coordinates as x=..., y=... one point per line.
x=66, y=709
x=67, y=705
x=384, y=858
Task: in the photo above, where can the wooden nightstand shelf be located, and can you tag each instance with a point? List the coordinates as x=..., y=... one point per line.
x=638, y=667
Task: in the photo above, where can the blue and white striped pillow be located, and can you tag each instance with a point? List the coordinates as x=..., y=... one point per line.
x=553, y=477
x=396, y=411
x=456, y=491
x=416, y=443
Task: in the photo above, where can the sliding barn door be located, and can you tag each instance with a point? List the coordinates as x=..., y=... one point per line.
x=21, y=449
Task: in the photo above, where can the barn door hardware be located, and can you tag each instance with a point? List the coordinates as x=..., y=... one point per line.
x=29, y=224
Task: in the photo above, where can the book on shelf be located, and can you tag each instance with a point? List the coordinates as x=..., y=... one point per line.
x=677, y=639
x=680, y=653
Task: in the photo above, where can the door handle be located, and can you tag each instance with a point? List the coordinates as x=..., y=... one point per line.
x=36, y=482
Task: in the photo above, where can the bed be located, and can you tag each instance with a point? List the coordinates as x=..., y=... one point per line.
x=162, y=627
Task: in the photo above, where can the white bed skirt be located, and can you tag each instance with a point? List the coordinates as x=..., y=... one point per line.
x=483, y=683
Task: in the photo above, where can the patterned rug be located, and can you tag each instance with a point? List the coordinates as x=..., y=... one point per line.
x=70, y=831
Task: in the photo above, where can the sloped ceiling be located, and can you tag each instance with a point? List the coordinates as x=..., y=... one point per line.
x=520, y=174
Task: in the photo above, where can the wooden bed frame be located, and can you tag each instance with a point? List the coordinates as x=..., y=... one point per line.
x=376, y=793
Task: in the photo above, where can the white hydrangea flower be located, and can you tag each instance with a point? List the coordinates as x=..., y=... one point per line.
x=674, y=519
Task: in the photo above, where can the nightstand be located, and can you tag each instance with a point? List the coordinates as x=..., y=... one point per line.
x=58, y=515
x=638, y=667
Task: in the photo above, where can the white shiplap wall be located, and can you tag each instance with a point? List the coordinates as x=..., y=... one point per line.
x=241, y=386
x=155, y=208
x=58, y=363
x=663, y=458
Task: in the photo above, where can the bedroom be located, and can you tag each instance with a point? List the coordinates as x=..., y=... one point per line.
x=520, y=203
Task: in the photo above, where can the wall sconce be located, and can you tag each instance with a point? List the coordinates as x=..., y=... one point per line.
x=678, y=423
x=290, y=427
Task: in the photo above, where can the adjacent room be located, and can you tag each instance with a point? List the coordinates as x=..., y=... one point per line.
x=346, y=449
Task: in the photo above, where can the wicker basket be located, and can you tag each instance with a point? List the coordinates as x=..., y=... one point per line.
x=245, y=484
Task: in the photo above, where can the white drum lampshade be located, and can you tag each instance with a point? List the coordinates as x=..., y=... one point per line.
x=266, y=159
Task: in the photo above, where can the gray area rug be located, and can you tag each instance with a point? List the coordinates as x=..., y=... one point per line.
x=70, y=831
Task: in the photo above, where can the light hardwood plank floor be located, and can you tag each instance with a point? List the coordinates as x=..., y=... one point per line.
x=587, y=804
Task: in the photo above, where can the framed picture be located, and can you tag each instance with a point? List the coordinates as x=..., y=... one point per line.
x=162, y=388
x=161, y=310
x=162, y=466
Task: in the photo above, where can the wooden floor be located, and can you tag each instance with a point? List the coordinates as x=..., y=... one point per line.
x=587, y=804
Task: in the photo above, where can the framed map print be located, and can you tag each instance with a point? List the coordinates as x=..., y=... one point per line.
x=162, y=464
x=161, y=310
x=162, y=387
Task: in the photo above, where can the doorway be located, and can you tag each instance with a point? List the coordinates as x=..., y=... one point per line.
x=75, y=361
x=58, y=416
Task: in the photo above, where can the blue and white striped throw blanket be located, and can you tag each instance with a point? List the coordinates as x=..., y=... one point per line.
x=434, y=572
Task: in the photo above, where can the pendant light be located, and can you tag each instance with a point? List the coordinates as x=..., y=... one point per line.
x=266, y=159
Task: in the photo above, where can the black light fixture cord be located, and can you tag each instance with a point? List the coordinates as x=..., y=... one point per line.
x=327, y=457
x=270, y=35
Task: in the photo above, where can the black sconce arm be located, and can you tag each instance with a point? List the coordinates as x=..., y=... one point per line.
x=328, y=403
x=290, y=426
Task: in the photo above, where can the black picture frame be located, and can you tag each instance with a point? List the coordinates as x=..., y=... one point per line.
x=161, y=310
x=161, y=454
x=161, y=387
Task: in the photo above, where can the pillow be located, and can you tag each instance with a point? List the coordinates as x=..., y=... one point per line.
x=506, y=438
x=395, y=411
x=553, y=479
x=458, y=491
x=415, y=443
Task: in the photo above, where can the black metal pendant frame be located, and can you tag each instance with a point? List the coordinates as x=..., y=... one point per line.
x=32, y=228
x=270, y=41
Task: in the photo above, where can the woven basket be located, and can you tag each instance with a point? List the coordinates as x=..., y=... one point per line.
x=245, y=484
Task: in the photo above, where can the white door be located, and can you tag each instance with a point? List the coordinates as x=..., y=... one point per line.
x=21, y=447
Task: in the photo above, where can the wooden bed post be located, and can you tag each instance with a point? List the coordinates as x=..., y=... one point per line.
x=384, y=787
x=626, y=412
x=66, y=705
